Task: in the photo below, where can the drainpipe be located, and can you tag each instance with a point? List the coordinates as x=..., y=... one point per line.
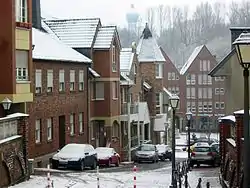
x=138, y=124
x=129, y=125
x=88, y=108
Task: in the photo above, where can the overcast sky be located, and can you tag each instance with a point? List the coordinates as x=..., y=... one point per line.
x=110, y=11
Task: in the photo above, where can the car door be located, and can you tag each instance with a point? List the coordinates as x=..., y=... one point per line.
x=93, y=154
x=113, y=157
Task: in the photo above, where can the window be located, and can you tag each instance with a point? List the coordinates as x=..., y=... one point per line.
x=38, y=131
x=72, y=80
x=217, y=91
x=208, y=65
x=222, y=105
x=22, y=65
x=217, y=105
x=201, y=69
x=177, y=90
x=61, y=81
x=193, y=109
x=98, y=91
x=209, y=80
x=114, y=90
x=193, y=79
x=169, y=76
x=158, y=101
x=188, y=79
x=200, y=79
x=188, y=106
x=173, y=76
x=38, y=81
x=210, y=107
x=72, y=124
x=204, y=81
x=204, y=93
x=200, y=106
x=114, y=67
x=200, y=93
x=205, y=107
x=21, y=11
x=219, y=78
x=188, y=93
x=193, y=92
x=158, y=70
x=81, y=80
x=49, y=129
x=204, y=65
x=210, y=93
x=80, y=118
x=222, y=91
x=49, y=81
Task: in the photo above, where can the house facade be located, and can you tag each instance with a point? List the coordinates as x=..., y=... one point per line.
x=203, y=95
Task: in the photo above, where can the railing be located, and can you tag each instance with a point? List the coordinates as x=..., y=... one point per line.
x=133, y=109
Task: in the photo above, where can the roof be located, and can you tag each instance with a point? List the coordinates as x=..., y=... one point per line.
x=148, y=49
x=168, y=59
x=222, y=63
x=76, y=33
x=230, y=117
x=49, y=48
x=240, y=112
x=147, y=86
x=94, y=73
x=104, y=37
x=191, y=59
x=126, y=59
x=125, y=80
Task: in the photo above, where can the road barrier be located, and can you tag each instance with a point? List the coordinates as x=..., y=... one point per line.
x=134, y=170
x=49, y=181
x=97, y=174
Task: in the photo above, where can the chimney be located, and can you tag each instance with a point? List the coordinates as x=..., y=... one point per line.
x=236, y=31
x=36, y=14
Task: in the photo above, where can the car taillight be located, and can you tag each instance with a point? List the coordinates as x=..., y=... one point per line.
x=210, y=154
x=192, y=154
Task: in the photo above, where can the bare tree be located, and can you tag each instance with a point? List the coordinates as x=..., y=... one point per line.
x=161, y=17
x=150, y=15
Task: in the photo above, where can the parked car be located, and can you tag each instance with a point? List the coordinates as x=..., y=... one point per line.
x=76, y=156
x=146, y=152
x=204, y=154
x=107, y=156
x=216, y=147
x=164, y=152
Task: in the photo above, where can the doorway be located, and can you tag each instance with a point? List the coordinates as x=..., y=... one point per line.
x=99, y=133
x=62, y=140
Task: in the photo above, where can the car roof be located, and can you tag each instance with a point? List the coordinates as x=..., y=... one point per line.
x=201, y=144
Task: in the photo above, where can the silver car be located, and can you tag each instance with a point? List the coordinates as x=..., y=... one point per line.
x=147, y=152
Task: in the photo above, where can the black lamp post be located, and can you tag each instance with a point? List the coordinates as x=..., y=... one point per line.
x=189, y=117
x=242, y=46
x=174, y=102
x=6, y=105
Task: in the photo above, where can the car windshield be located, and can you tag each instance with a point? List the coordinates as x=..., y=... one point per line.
x=104, y=150
x=201, y=149
x=71, y=148
x=161, y=147
x=147, y=148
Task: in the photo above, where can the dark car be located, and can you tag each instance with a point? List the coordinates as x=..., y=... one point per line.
x=77, y=156
x=164, y=152
x=147, y=152
x=107, y=156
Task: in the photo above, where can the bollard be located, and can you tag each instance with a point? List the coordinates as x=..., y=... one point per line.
x=97, y=174
x=48, y=177
x=134, y=170
x=199, y=183
x=208, y=185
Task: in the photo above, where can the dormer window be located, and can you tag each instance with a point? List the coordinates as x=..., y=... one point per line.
x=114, y=67
x=21, y=11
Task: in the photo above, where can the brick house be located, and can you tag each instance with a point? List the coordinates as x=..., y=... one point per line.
x=152, y=62
x=132, y=97
x=59, y=111
x=203, y=95
x=102, y=45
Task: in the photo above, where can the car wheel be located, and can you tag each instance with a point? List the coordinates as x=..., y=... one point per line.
x=109, y=163
x=163, y=158
x=82, y=165
x=94, y=165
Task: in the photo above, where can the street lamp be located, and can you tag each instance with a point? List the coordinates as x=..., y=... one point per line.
x=242, y=46
x=6, y=105
x=189, y=117
x=174, y=102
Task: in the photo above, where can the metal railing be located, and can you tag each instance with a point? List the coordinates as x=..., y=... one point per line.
x=134, y=109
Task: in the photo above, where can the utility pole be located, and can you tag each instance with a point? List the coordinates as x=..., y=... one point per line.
x=138, y=123
x=129, y=124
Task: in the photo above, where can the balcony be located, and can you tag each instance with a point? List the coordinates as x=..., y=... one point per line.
x=133, y=109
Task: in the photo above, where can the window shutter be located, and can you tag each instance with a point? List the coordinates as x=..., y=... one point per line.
x=61, y=76
x=81, y=76
x=50, y=78
x=38, y=78
x=72, y=76
x=21, y=59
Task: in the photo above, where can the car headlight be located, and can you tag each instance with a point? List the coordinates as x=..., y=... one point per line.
x=74, y=159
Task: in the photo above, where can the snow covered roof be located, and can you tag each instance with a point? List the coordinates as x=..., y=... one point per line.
x=76, y=33
x=104, y=37
x=191, y=59
x=147, y=86
x=126, y=59
x=94, y=73
x=49, y=48
x=240, y=112
x=230, y=117
x=125, y=79
x=148, y=49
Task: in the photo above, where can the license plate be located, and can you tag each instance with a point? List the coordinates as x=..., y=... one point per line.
x=63, y=162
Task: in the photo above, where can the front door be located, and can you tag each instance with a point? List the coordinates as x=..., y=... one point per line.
x=99, y=131
x=62, y=130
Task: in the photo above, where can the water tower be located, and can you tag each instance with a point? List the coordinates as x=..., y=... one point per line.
x=132, y=19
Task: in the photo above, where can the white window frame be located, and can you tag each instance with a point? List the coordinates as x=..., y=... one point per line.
x=169, y=76
x=222, y=91
x=193, y=93
x=188, y=106
x=201, y=65
x=21, y=10
x=204, y=66
x=205, y=107
x=209, y=80
x=22, y=60
x=210, y=106
x=210, y=93
x=38, y=81
x=99, y=91
x=193, y=107
x=61, y=80
x=49, y=81
x=188, y=93
x=72, y=124
x=204, y=93
x=159, y=71
x=38, y=131
x=200, y=107
x=200, y=93
x=208, y=65
x=113, y=54
x=72, y=80
x=158, y=103
x=217, y=91
x=115, y=90
x=200, y=79
x=215, y=105
x=80, y=119
x=222, y=105
x=49, y=129
x=188, y=79
x=81, y=80
x=193, y=79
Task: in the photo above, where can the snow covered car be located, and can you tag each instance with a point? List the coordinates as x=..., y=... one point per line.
x=164, y=152
x=77, y=156
x=107, y=156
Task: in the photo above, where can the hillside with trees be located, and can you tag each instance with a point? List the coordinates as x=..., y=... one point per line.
x=179, y=32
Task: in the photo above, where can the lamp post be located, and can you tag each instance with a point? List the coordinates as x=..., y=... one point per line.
x=6, y=105
x=189, y=117
x=174, y=102
x=242, y=46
